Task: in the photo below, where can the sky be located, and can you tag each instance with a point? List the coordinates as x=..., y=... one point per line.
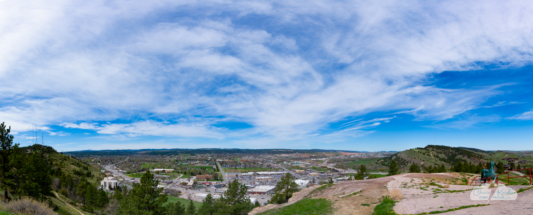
x=347, y=75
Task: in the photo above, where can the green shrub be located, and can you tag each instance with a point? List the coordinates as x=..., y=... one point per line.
x=385, y=207
x=305, y=206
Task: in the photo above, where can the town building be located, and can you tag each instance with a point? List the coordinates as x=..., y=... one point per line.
x=109, y=183
x=261, y=190
x=204, y=177
x=302, y=183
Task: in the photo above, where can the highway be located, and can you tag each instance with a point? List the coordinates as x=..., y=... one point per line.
x=223, y=173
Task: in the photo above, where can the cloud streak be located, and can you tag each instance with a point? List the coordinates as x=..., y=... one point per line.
x=285, y=68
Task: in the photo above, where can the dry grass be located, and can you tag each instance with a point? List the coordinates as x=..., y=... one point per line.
x=446, y=186
x=396, y=194
x=27, y=206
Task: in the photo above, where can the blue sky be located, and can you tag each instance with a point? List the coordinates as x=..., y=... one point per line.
x=353, y=75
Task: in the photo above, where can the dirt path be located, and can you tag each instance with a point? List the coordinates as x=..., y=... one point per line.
x=68, y=203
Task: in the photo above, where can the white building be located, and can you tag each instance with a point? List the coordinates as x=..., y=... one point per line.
x=109, y=182
x=261, y=190
x=302, y=183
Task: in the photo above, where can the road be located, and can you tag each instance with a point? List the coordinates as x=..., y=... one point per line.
x=223, y=173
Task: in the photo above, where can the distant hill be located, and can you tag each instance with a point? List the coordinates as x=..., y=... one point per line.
x=436, y=155
x=197, y=151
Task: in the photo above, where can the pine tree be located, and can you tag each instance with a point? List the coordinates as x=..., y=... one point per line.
x=257, y=204
x=6, y=146
x=499, y=168
x=393, y=168
x=234, y=200
x=361, y=173
x=284, y=189
x=191, y=209
x=442, y=168
x=18, y=172
x=175, y=209
x=144, y=198
x=208, y=206
x=414, y=168
x=40, y=175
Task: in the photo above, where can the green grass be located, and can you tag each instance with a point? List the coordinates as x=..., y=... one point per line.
x=202, y=167
x=304, y=207
x=320, y=189
x=385, y=207
x=514, y=181
x=136, y=175
x=5, y=213
x=172, y=199
x=320, y=169
x=523, y=189
x=378, y=175
x=454, y=209
x=364, y=161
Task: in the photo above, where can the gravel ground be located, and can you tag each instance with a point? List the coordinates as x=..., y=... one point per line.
x=417, y=200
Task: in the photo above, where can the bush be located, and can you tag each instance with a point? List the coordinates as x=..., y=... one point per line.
x=63, y=192
x=27, y=206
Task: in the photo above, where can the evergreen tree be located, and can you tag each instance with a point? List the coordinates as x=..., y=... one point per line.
x=103, y=199
x=414, y=168
x=499, y=168
x=234, y=200
x=361, y=173
x=175, y=209
x=518, y=167
x=191, y=209
x=40, y=175
x=208, y=206
x=393, y=168
x=285, y=188
x=257, y=204
x=442, y=168
x=18, y=172
x=458, y=167
x=512, y=165
x=144, y=198
x=6, y=146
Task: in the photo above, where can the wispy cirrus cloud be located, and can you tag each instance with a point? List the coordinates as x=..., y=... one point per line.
x=287, y=69
x=528, y=115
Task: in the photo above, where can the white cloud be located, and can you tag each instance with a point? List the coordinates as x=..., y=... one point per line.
x=86, y=61
x=523, y=116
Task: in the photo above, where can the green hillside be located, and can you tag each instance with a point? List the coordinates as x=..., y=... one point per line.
x=437, y=155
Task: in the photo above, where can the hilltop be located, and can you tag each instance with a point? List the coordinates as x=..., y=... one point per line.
x=437, y=155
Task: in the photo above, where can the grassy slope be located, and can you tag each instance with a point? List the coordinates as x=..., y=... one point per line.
x=172, y=199
x=305, y=206
x=437, y=155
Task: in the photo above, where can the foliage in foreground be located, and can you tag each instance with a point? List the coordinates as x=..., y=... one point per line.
x=284, y=189
x=304, y=206
x=523, y=189
x=27, y=206
x=454, y=209
x=385, y=207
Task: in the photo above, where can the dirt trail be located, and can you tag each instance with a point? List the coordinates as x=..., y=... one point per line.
x=67, y=203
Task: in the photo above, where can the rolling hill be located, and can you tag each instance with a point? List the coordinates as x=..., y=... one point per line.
x=436, y=155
